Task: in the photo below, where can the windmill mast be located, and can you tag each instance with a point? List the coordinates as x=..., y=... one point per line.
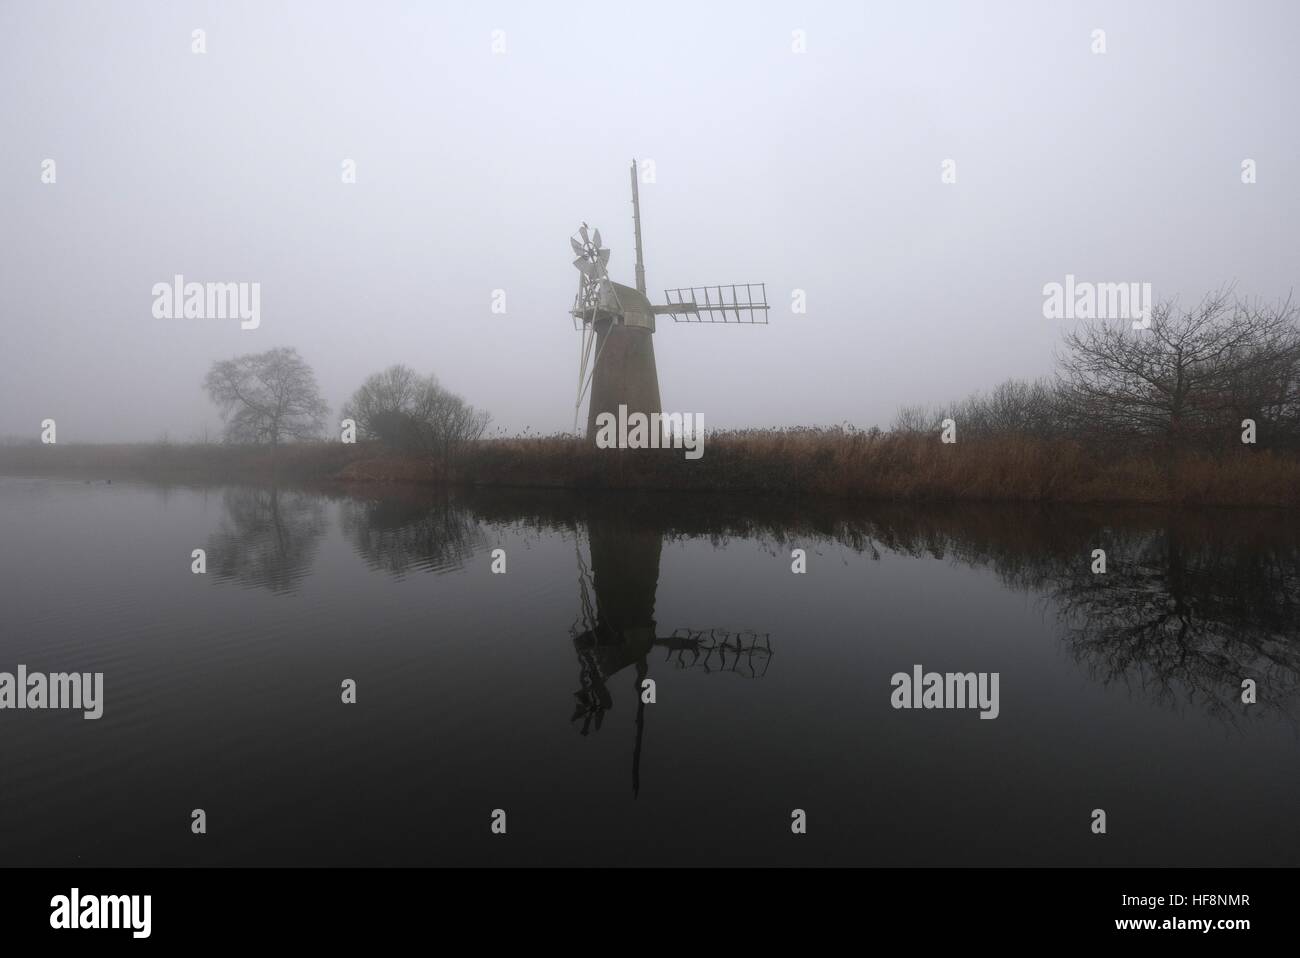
x=636, y=223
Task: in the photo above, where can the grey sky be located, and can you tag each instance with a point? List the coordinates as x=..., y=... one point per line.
x=818, y=171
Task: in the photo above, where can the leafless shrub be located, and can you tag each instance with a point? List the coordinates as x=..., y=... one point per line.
x=412, y=413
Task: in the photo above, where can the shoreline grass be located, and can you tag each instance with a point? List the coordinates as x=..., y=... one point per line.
x=839, y=463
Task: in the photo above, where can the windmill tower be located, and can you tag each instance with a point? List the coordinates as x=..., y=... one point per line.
x=616, y=359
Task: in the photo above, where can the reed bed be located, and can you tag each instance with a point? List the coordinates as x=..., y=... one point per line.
x=839, y=462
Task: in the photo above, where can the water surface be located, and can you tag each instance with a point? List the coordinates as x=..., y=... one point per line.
x=478, y=691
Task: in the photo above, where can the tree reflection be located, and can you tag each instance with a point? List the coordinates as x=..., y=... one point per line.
x=398, y=535
x=267, y=538
x=1191, y=604
x=1185, y=618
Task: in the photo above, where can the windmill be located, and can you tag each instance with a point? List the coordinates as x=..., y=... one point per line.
x=616, y=357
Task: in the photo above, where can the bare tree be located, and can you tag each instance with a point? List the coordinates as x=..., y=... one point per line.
x=397, y=390
x=1187, y=377
x=449, y=424
x=1190, y=380
x=414, y=413
x=918, y=419
x=267, y=397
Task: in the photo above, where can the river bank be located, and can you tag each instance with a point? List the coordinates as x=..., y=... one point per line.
x=837, y=463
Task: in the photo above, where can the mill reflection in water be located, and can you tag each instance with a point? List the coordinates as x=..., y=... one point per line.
x=616, y=628
x=525, y=690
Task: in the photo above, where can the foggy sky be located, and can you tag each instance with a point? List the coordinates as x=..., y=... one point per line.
x=818, y=171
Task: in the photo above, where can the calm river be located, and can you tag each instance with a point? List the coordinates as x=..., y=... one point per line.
x=523, y=692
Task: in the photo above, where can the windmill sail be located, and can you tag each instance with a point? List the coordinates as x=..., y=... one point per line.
x=737, y=303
